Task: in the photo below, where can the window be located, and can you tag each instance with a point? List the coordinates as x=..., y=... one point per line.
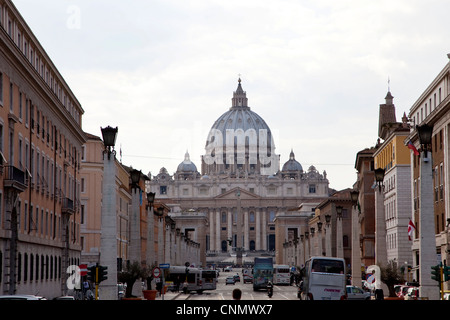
x=163, y=190
x=312, y=188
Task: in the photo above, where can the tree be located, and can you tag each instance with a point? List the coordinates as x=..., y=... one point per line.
x=129, y=276
x=391, y=275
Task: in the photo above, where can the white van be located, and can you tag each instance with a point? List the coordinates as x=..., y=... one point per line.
x=324, y=278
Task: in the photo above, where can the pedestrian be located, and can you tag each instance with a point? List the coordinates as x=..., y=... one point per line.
x=237, y=293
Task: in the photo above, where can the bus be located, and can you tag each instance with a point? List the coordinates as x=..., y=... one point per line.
x=209, y=279
x=281, y=274
x=324, y=278
x=262, y=273
x=177, y=275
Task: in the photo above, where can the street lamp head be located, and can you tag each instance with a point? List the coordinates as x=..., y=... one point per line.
x=109, y=136
x=425, y=133
x=327, y=218
x=319, y=226
x=354, y=196
x=135, y=176
x=150, y=197
x=159, y=212
x=109, y=140
x=379, y=175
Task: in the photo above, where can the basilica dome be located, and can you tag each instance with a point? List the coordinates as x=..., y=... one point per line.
x=238, y=135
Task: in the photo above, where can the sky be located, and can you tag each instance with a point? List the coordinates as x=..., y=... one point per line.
x=316, y=71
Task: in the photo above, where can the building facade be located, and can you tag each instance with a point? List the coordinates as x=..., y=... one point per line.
x=393, y=156
x=241, y=189
x=40, y=143
x=432, y=108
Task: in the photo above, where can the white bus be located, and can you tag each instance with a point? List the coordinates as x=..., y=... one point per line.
x=281, y=274
x=176, y=276
x=324, y=278
x=209, y=279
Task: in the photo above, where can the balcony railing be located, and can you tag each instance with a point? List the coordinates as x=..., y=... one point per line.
x=68, y=206
x=14, y=178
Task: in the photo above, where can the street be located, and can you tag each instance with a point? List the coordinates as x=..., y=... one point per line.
x=224, y=291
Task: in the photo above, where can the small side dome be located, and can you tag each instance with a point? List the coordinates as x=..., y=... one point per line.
x=187, y=165
x=292, y=164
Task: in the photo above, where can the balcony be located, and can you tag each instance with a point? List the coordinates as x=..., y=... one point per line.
x=67, y=206
x=14, y=178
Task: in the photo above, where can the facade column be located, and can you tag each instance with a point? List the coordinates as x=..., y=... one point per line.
x=212, y=240
x=218, y=230
x=258, y=229
x=264, y=229
x=246, y=231
x=230, y=229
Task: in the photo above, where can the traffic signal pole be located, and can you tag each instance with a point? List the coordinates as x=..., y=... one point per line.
x=96, y=282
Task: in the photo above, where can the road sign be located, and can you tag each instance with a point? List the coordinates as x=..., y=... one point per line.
x=156, y=272
x=164, y=265
x=83, y=269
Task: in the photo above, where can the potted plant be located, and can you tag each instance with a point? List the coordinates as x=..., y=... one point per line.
x=129, y=276
x=390, y=275
x=149, y=294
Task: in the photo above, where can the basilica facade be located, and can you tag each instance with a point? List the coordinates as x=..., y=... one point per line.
x=240, y=198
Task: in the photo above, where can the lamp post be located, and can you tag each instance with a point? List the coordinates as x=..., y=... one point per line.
x=356, y=250
x=328, y=235
x=134, y=248
x=339, y=244
x=319, y=238
x=150, y=229
x=108, y=239
x=427, y=240
x=159, y=212
x=381, y=258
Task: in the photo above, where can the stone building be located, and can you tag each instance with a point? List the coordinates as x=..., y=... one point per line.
x=240, y=190
x=40, y=145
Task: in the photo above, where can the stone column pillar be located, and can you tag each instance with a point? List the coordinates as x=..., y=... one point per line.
x=427, y=240
x=108, y=239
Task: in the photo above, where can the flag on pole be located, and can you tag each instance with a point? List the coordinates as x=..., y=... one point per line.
x=411, y=229
x=413, y=148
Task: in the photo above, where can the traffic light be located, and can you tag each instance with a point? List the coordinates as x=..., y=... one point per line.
x=446, y=271
x=436, y=273
x=92, y=274
x=102, y=273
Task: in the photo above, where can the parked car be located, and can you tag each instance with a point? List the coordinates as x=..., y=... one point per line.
x=21, y=297
x=402, y=291
x=356, y=293
x=64, y=298
x=237, y=278
x=230, y=280
x=412, y=293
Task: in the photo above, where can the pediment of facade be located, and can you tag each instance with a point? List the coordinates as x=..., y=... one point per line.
x=232, y=195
